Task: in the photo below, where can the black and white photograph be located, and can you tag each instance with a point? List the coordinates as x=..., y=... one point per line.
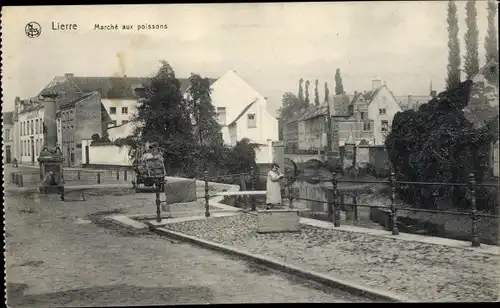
x=232, y=153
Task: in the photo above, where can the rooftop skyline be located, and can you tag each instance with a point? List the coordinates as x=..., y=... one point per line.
x=269, y=45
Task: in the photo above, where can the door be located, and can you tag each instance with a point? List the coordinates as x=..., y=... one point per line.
x=68, y=157
x=32, y=152
x=7, y=154
x=87, y=158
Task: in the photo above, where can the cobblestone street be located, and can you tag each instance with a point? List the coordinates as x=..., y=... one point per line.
x=66, y=254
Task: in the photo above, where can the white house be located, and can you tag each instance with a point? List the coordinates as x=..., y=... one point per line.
x=28, y=139
x=242, y=111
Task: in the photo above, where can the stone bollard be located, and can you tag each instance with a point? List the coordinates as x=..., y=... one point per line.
x=394, y=221
x=20, y=180
x=78, y=175
x=117, y=175
x=98, y=178
x=125, y=175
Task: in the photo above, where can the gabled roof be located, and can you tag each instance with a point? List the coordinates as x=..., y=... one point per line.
x=242, y=112
x=481, y=71
x=7, y=118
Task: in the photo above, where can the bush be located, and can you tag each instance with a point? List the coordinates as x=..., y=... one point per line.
x=439, y=144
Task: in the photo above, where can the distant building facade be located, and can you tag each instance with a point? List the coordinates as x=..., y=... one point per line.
x=8, y=137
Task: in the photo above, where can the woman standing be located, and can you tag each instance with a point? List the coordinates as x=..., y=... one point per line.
x=273, y=187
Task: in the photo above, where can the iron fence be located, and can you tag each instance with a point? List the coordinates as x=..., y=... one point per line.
x=334, y=205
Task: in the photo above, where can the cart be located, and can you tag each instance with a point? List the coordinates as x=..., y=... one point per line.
x=149, y=170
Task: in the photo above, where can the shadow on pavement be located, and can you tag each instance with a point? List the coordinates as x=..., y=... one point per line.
x=116, y=295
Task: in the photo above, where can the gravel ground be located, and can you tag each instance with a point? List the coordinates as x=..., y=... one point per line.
x=419, y=271
x=66, y=254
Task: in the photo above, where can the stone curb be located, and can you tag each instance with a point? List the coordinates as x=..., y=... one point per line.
x=350, y=287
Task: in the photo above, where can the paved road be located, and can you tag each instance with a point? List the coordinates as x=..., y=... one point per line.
x=66, y=254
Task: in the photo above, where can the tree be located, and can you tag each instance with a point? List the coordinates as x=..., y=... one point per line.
x=163, y=118
x=471, y=64
x=290, y=105
x=316, y=94
x=453, y=78
x=327, y=93
x=307, y=93
x=339, y=87
x=202, y=111
x=301, y=91
x=438, y=143
x=491, y=40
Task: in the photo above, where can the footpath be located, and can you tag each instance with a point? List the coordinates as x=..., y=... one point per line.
x=372, y=263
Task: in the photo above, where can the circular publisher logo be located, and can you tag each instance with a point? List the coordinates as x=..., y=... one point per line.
x=33, y=29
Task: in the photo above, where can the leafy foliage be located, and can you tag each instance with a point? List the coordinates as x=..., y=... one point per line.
x=339, y=87
x=290, y=106
x=471, y=64
x=453, y=78
x=163, y=118
x=199, y=102
x=327, y=93
x=437, y=143
x=185, y=129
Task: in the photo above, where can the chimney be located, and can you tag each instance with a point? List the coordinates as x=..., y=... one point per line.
x=376, y=83
x=69, y=75
x=140, y=92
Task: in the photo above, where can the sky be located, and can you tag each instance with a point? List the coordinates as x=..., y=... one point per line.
x=270, y=45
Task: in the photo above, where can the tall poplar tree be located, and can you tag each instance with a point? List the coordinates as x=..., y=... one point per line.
x=327, y=93
x=491, y=40
x=307, y=92
x=471, y=65
x=301, y=90
x=316, y=93
x=339, y=87
x=453, y=78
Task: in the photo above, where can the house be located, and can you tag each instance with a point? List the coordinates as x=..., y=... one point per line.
x=28, y=129
x=483, y=105
x=242, y=111
x=8, y=137
x=367, y=116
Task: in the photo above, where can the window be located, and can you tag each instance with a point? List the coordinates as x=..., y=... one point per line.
x=72, y=157
x=36, y=126
x=221, y=115
x=382, y=111
x=7, y=134
x=112, y=110
x=124, y=110
x=41, y=126
x=36, y=146
x=366, y=126
x=252, y=122
x=32, y=127
x=350, y=109
x=493, y=69
x=385, y=126
x=112, y=123
x=362, y=115
x=124, y=122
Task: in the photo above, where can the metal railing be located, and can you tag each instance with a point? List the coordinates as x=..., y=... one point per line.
x=334, y=205
x=69, y=176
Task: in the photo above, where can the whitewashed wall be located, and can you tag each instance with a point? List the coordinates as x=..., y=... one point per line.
x=106, y=155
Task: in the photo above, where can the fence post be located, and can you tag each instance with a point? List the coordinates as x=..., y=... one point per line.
x=207, y=197
x=78, y=175
x=117, y=174
x=472, y=187
x=252, y=174
x=125, y=175
x=336, y=207
x=157, y=201
x=290, y=195
x=98, y=178
x=394, y=220
x=20, y=179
